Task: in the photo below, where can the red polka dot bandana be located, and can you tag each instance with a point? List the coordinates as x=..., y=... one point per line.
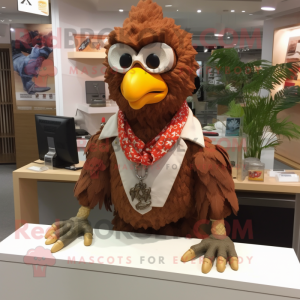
x=146, y=154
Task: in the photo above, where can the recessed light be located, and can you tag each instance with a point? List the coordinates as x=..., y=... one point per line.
x=3, y=7
x=269, y=5
x=121, y=10
x=250, y=14
x=12, y=29
x=199, y=11
x=177, y=9
x=268, y=8
x=243, y=11
x=169, y=5
x=232, y=10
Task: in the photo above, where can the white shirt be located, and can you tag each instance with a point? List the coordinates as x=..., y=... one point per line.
x=162, y=174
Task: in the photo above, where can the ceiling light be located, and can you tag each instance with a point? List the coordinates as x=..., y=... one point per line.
x=3, y=7
x=12, y=29
x=169, y=5
x=177, y=9
x=199, y=11
x=228, y=37
x=232, y=10
x=268, y=8
x=9, y=20
x=269, y=5
x=243, y=11
x=121, y=10
x=250, y=14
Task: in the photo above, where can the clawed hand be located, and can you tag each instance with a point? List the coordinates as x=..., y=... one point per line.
x=63, y=233
x=212, y=247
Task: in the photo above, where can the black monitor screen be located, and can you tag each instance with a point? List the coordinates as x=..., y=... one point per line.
x=61, y=131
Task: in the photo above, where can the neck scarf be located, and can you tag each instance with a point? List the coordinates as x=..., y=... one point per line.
x=138, y=152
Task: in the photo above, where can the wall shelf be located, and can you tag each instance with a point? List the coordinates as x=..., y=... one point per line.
x=86, y=55
x=98, y=110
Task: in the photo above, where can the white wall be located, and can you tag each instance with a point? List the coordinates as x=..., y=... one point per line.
x=4, y=34
x=19, y=18
x=268, y=32
x=70, y=85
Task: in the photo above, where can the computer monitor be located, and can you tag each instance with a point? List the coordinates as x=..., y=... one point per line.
x=56, y=141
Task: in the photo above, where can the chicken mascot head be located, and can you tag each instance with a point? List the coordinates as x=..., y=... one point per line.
x=151, y=160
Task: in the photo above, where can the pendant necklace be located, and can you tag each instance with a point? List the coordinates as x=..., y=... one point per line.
x=140, y=191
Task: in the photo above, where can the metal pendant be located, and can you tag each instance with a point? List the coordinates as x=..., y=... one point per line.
x=141, y=192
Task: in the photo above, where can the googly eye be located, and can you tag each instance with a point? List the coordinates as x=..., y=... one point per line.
x=120, y=57
x=125, y=60
x=152, y=61
x=157, y=58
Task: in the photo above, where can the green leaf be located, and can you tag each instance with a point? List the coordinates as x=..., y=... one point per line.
x=235, y=110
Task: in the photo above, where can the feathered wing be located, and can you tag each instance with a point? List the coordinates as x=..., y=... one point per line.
x=215, y=192
x=93, y=185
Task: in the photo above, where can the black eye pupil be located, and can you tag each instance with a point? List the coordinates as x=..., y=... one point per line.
x=152, y=61
x=125, y=60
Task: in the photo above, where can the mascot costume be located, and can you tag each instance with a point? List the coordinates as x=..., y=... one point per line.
x=151, y=161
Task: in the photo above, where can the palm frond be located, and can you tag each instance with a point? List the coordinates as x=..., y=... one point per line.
x=261, y=121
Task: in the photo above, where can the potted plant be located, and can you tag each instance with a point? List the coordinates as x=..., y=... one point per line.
x=242, y=88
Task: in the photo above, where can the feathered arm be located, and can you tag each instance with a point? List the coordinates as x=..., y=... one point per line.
x=216, y=187
x=215, y=199
x=93, y=185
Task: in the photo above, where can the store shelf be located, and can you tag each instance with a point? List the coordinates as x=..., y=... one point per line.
x=86, y=55
x=98, y=110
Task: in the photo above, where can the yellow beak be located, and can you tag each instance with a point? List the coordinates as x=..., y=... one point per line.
x=140, y=88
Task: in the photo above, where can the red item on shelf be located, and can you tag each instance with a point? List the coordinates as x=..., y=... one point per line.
x=208, y=133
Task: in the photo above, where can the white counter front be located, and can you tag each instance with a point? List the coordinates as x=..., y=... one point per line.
x=132, y=266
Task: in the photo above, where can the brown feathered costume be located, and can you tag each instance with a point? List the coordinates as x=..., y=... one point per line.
x=203, y=189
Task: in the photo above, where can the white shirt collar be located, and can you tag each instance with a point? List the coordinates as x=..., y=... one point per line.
x=192, y=130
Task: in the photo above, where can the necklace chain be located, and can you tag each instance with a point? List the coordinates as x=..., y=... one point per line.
x=140, y=178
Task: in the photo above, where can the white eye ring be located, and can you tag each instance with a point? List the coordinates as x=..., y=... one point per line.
x=164, y=53
x=114, y=54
